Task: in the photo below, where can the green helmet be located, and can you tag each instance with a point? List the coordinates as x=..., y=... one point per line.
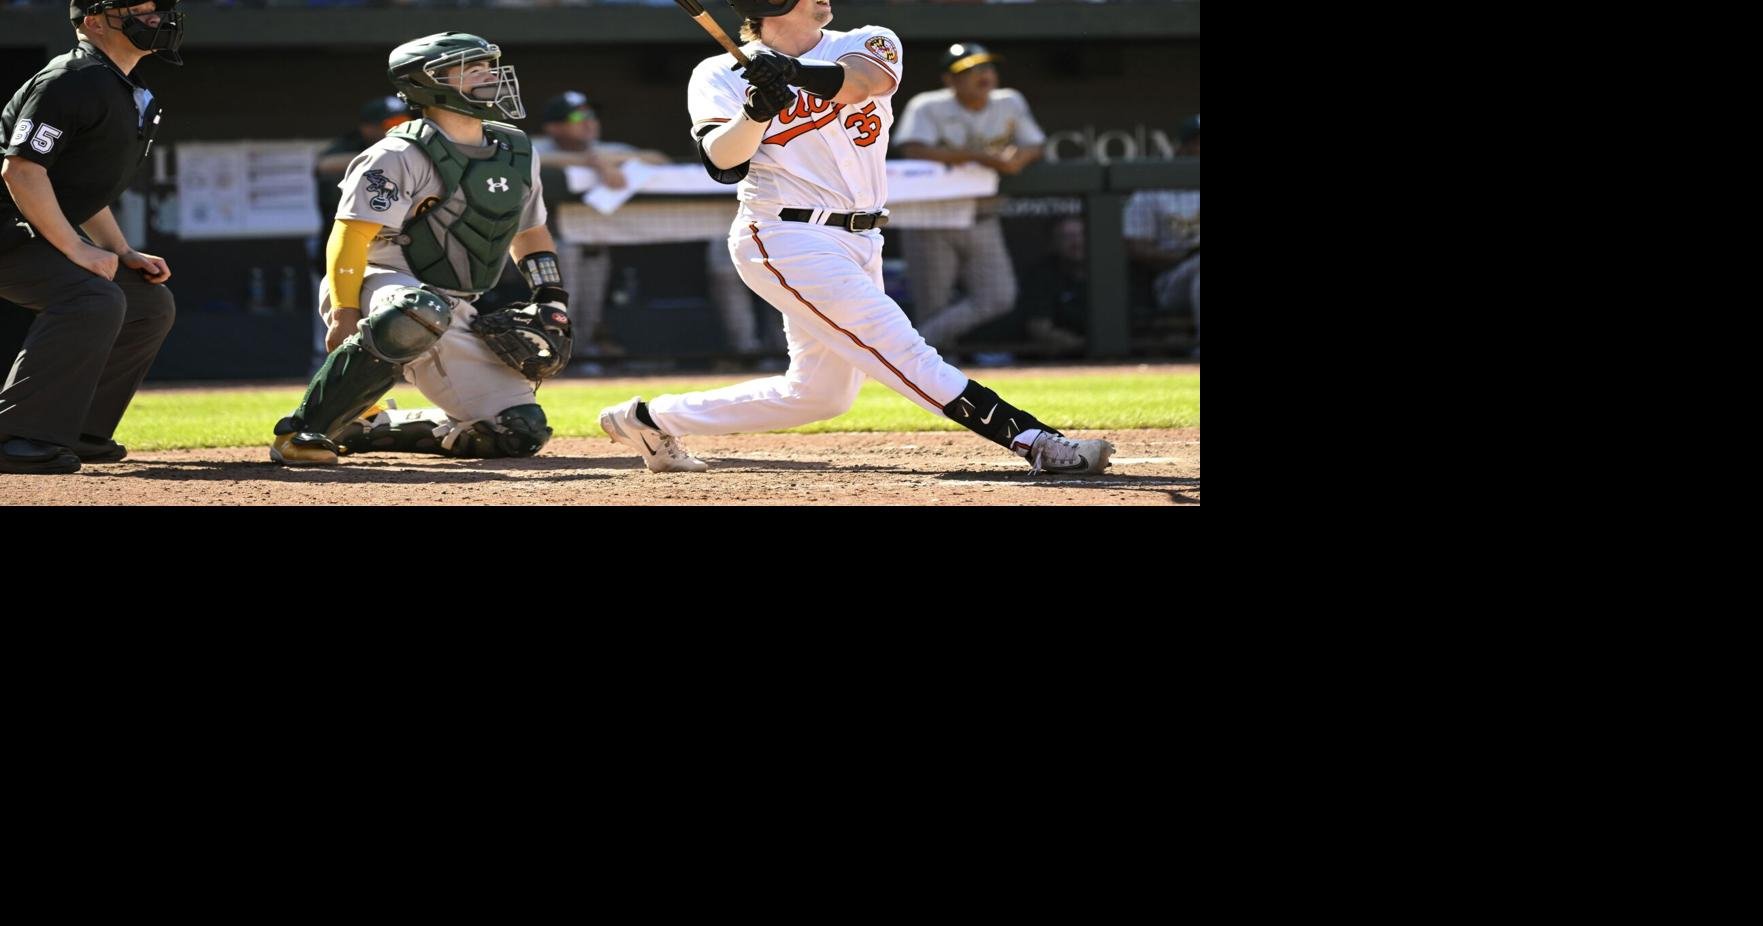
x=417, y=69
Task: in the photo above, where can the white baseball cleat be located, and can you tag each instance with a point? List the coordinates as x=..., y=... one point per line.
x=1054, y=454
x=660, y=452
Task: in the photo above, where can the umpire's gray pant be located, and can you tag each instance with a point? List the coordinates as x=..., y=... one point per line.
x=87, y=350
x=936, y=256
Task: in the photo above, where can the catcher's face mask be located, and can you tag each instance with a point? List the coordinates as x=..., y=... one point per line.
x=478, y=78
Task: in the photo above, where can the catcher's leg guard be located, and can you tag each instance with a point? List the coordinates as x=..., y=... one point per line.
x=520, y=431
x=350, y=381
x=979, y=410
x=396, y=430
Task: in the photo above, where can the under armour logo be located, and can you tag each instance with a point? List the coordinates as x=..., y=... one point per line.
x=498, y=184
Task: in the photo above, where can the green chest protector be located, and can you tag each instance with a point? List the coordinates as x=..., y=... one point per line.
x=493, y=190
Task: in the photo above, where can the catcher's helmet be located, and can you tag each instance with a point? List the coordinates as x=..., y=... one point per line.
x=762, y=8
x=416, y=68
x=162, y=40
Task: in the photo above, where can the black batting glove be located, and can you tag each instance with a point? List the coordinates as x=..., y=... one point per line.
x=769, y=67
x=767, y=101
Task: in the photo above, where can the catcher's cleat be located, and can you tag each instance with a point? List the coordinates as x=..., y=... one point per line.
x=296, y=447
x=660, y=452
x=1052, y=453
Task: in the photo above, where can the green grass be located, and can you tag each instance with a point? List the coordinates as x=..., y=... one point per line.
x=245, y=416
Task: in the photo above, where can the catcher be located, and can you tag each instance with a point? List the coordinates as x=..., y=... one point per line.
x=428, y=217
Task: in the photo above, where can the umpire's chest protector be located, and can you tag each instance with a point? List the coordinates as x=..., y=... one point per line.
x=462, y=242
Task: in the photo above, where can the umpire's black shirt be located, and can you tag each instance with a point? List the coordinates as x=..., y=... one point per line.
x=87, y=123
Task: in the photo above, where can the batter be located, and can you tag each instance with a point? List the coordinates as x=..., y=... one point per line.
x=804, y=130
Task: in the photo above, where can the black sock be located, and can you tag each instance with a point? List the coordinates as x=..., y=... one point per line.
x=643, y=415
x=979, y=410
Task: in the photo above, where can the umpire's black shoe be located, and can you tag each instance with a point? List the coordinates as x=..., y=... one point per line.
x=98, y=450
x=23, y=455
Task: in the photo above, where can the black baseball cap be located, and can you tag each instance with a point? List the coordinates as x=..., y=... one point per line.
x=964, y=55
x=564, y=106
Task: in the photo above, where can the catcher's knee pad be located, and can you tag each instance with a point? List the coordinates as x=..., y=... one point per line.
x=979, y=410
x=520, y=431
x=350, y=381
x=403, y=322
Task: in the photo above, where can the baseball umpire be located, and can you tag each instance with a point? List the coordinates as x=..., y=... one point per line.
x=75, y=134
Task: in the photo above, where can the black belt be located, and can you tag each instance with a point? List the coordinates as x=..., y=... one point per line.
x=849, y=221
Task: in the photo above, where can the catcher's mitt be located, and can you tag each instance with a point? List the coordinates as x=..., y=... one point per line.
x=533, y=338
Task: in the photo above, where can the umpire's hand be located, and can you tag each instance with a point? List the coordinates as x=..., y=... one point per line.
x=152, y=267
x=100, y=262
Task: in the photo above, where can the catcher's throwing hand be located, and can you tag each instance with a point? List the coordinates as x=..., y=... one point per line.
x=765, y=102
x=339, y=326
x=769, y=68
x=551, y=295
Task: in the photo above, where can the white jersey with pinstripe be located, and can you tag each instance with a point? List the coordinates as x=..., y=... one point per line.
x=826, y=282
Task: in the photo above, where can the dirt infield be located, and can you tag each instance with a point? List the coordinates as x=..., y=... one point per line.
x=1151, y=467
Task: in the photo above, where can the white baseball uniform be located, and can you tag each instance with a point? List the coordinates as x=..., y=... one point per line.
x=840, y=324
x=460, y=374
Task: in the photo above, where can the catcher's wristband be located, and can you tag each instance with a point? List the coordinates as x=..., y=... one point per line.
x=540, y=269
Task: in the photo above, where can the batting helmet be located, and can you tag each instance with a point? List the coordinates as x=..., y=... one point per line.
x=162, y=40
x=762, y=8
x=418, y=67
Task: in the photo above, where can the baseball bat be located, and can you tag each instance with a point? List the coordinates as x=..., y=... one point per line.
x=695, y=10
